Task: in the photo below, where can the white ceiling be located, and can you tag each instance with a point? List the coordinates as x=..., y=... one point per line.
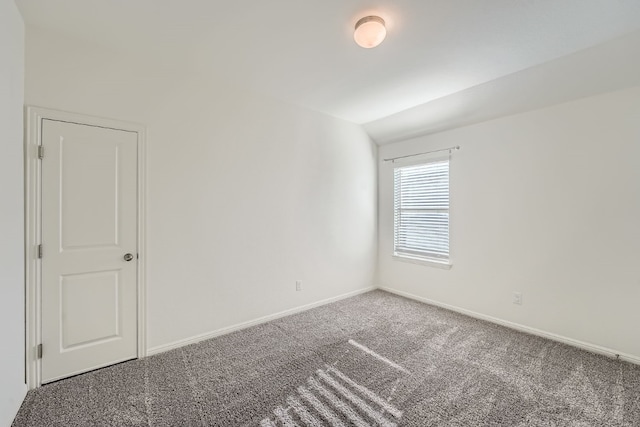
x=607, y=67
x=302, y=51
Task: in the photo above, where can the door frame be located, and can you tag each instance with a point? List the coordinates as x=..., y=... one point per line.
x=33, y=219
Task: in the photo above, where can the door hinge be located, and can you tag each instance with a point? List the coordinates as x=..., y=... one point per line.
x=39, y=351
x=39, y=251
x=40, y=151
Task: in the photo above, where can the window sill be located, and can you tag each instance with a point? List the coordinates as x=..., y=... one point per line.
x=445, y=265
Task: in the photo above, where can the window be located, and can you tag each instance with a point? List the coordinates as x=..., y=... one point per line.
x=421, y=211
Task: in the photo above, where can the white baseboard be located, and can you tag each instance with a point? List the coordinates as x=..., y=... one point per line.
x=254, y=322
x=593, y=348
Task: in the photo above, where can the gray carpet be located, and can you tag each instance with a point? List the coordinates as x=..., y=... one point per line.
x=375, y=359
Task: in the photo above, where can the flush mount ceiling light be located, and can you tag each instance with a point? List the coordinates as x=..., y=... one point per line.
x=370, y=31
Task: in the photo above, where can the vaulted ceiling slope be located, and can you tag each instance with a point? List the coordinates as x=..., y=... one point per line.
x=303, y=51
x=607, y=67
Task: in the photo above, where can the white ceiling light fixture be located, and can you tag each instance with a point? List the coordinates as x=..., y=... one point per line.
x=370, y=31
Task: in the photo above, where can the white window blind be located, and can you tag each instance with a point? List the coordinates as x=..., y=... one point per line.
x=421, y=217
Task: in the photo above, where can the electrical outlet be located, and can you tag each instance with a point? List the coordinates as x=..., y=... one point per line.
x=298, y=285
x=517, y=298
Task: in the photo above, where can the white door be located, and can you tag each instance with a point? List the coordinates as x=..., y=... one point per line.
x=89, y=248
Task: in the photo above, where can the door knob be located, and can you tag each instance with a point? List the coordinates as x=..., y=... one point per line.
x=128, y=257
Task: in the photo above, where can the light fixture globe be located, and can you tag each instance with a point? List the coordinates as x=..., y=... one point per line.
x=370, y=31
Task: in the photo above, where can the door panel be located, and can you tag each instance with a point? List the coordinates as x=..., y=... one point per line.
x=89, y=295
x=89, y=213
x=89, y=222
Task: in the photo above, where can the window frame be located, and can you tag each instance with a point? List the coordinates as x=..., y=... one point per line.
x=438, y=262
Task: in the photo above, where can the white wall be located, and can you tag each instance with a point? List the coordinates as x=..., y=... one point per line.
x=246, y=194
x=12, y=385
x=546, y=203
